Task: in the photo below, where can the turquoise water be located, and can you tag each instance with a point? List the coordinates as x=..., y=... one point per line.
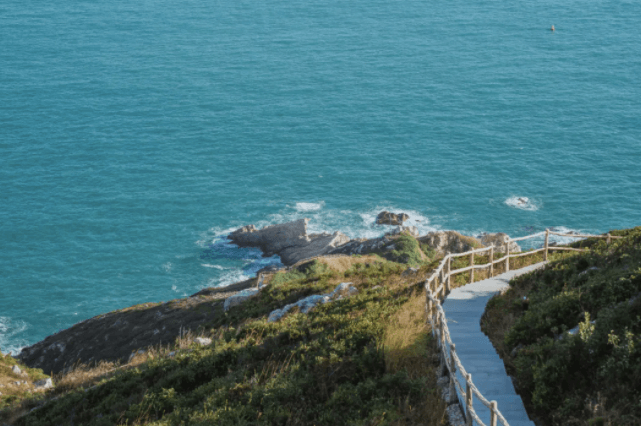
x=135, y=135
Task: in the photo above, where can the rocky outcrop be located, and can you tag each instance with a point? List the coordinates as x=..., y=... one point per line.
x=498, y=241
x=272, y=239
x=375, y=245
x=388, y=218
x=289, y=240
x=444, y=242
x=115, y=335
x=239, y=298
x=410, y=230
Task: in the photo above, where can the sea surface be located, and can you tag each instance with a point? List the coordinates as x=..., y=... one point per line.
x=135, y=135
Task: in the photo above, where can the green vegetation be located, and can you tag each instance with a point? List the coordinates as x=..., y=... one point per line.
x=13, y=388
x=407, y=250
x=361, y=360
x=590, y=376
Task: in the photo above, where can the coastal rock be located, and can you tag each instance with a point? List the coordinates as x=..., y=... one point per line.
x=444, y=242
x=115, y=335
x=289, y=240
x=498, y=241
x=363, y=246
x=272, y=239
x=239, y=298
x=16, y=369
x=410, y=230
x=389, y=218
x=318, y=245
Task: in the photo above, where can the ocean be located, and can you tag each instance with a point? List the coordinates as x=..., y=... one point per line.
x=135, y=135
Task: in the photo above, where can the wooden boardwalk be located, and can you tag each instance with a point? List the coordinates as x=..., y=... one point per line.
x=463, y=308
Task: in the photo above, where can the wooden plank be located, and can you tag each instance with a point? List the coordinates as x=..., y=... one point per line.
x=525, y=253
x=567, y=249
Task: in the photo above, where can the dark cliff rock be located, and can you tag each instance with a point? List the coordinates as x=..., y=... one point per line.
x=115, y=335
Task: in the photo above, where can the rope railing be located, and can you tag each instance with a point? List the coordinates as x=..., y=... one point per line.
x=436, y=288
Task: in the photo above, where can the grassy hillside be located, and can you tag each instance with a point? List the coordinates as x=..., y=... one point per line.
x=364, y=359
x=570, y=335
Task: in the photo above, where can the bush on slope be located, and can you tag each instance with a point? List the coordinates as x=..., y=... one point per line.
x=592, y=374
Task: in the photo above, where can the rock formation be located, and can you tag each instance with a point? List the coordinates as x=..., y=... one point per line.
x=411, y=230
x=444, y=242
x=289, y=240
x=113, y=336
x=388, y=218
x=498, y=241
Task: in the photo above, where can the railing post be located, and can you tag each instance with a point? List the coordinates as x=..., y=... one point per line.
x=442, y=332
x=547, y=243
x=507, y=253
x=609, y=239
x=468, y=400
x=472, y=270
x=453, y=397
x=493, y=410
x=449, y=277
x=491, y=261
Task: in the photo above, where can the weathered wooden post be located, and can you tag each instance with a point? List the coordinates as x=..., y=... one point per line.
x=439, y=323
x=428, y=304
x=547, y=243
x=442, y=317
x=493, y=416
x=609, y=239
x=468, y=400
x=491, y=261
x=472, y=270
x=449, y=271
x=507, y=253
x=453, y=396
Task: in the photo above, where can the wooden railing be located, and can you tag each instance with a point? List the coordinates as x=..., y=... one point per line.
x=438, y=285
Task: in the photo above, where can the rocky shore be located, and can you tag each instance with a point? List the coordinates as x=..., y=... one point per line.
x=292, y=242
x=116, y=335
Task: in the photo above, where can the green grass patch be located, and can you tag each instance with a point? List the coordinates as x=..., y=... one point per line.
x=327, y=367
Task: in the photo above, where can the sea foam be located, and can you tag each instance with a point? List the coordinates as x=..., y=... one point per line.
x=521, y=203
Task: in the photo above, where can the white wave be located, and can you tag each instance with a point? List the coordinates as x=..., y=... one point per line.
x=9, y=331
x=167, y=267
x=309, y=207
x=227, y=278
x=521, y=203
x=207, y=265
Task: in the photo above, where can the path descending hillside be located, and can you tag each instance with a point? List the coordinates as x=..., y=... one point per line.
x=463, y=308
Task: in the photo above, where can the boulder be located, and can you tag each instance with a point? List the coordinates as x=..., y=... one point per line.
x=388, y=218
x=16, y=369
x=239, y=298
x=309, y=302
x=498, y=241
x=289, y=240
x=203, y=341
x=444, y=242
x=43, y=384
